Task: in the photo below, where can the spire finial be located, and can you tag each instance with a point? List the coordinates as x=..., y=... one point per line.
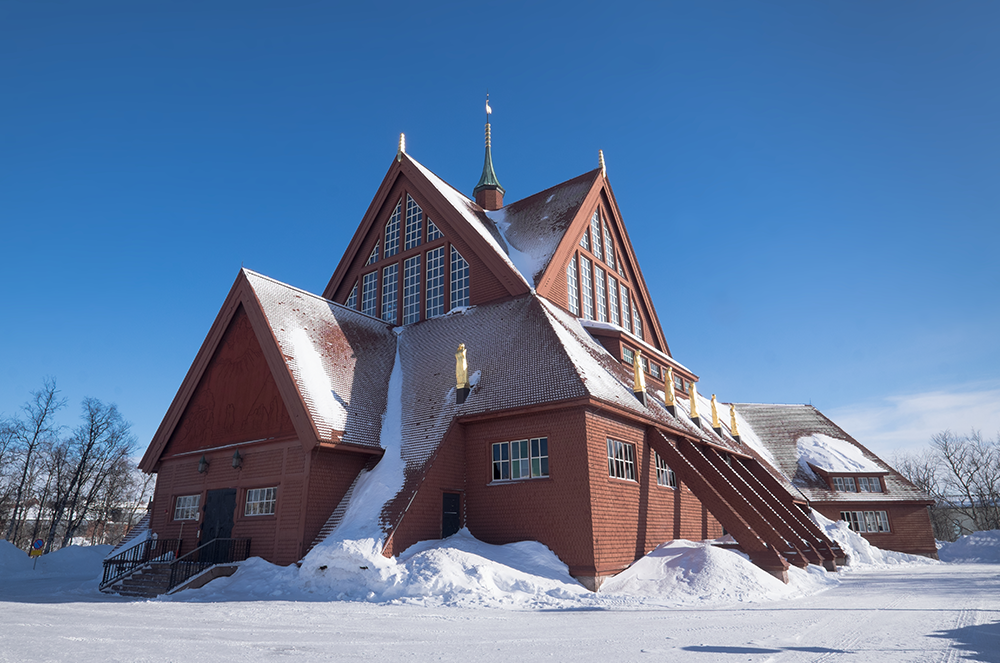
x=600, y=160
x=488, y=193
x=401, y=150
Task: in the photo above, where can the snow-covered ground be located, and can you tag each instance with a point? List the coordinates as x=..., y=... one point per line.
x=462, y=600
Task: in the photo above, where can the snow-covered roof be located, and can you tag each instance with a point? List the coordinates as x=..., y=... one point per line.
x=797, y=436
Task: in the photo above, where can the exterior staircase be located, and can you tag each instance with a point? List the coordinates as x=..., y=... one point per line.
x=147, y=582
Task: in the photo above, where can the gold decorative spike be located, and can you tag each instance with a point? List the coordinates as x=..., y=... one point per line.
x=401, y=150
x=734, y=429
x=461, y=368
x=715, y=413
x=693, y=395
x=639, y=384
x=600, y=160
x=669, y=384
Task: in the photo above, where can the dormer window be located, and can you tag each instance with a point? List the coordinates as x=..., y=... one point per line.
x=870, y=484
x=844, y=484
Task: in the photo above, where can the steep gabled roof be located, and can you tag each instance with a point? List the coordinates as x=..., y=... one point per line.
x=330, y=364
x=464, y=216
x=780, y=427
x=533, y=227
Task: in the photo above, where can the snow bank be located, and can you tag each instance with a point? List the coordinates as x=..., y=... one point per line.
x=687, y=572
x=833, y=455
x=71, y=573
x=860, y=553
x=975, y=548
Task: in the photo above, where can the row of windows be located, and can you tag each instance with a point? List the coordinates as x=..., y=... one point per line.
x=433, y=281
x=864, y=485
x=866, y=521
x=601, y=296
x=650, y=367
x=529, y=459
x=259, y=502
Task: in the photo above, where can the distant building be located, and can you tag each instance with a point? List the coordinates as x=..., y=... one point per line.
x=539, y=399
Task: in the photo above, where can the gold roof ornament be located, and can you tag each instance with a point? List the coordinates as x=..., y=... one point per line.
x=693, y=394
x=401, y=150
x=639, y=385
x=669, y=384
x=734, y=429
x=600, y=161
x=461, y=368
x=715, y=413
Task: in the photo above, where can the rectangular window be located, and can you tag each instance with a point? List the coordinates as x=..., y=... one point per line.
x=654, y=370
x=521, y=459
x=844, y=484
x=260, y=502
x=390, y=287
x=628, y=354
x=459, y=279
x=869, y=485
x=602, y=300
x=615, y=317
x=595, y=231
x=432, y=231
x=414, y=223
x=411, y=290
x=609, y=248
x=435, y=282
x=587, y=286
x=645, y=363
x=621, y=460
x=352, y=299
x=679, y=384
x=664, y=475
x=392, y=232
x=572, y=288
x=186, y=507
x=626, y=313
x=866, y=521
x=369, y=286
x=636, y=321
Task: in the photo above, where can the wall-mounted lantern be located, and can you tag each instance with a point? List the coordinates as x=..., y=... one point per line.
x=203, y=465
x=237, y=460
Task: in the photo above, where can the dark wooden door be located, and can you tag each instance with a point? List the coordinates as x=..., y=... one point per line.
x=219, y=508
x=450, y=521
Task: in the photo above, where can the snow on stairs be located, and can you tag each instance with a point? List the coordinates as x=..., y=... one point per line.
x=338, y=514
x=147, y=582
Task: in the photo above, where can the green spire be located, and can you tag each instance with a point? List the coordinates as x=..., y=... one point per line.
x=489, y=178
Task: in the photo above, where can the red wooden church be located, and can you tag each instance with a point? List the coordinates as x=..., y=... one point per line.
x=561, y=418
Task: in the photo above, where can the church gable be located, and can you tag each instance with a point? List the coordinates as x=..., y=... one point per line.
x=236, y=399
x=418, y=255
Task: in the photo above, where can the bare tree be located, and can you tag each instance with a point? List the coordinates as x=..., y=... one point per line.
x=36, y=425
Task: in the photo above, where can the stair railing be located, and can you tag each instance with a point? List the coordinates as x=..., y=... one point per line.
x=216, y=551
x=141, y=554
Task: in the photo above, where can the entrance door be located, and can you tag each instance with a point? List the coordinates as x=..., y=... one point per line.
x=218, y=524
x=450, y=522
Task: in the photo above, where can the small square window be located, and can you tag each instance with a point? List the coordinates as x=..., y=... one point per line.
x=186, y=507
x=260, y=501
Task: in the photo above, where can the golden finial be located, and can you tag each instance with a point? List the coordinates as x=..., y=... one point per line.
x=734, y=429
x=401, y=150
x=669, y=384
x=640, y=377
x=461, y=368
x=693, y=394
x=715, y=413
x=600, y=161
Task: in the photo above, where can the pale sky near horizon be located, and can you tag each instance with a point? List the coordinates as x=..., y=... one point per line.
x=812, y=189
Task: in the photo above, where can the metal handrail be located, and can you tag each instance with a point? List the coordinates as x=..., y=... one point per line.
x=216, y=551
x=141, y=554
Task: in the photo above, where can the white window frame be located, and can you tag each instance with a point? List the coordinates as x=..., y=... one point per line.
x=433, y=232
x=517, y=460
x=587, y=288
x=621, y=460
x=186, y=507
x=613, y=301
x=414, y=224
x=261, y=501
x=435, y=282
x=626, y=311
x=869, y=485
x=459, y=279
x=867, y=522
x=602, y=300
x=391, y=246
x=352, y=299
x=572, y=287
x=844, y=484
x=411, y=289
x=664, y=475
x=390, y=291
x=369, y=293
x=595, y=231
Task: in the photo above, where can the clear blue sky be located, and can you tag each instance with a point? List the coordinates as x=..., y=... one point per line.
x=811, y=187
